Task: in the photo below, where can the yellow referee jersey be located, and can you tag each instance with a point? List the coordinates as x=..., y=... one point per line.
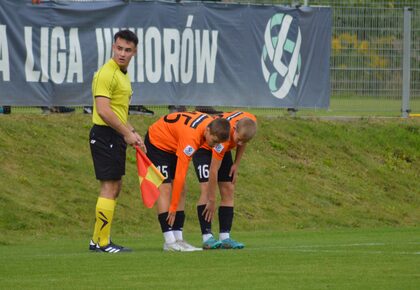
x=110, y=82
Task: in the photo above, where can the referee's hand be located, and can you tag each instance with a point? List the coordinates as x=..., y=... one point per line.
x=134, y=139
x=130, y=138
x=140, y=143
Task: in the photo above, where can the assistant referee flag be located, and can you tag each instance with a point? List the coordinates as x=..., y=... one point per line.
x=150, y=179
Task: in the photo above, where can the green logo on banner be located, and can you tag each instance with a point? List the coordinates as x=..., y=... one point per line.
x=280, y=58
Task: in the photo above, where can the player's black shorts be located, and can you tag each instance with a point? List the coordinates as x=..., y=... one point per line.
x=108, y=150
x=202, y=159
x=164, y=161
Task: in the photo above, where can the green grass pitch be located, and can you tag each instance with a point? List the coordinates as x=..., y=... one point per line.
x=330, y=259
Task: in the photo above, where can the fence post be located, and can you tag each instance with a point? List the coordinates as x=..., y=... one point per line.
x=405, y=109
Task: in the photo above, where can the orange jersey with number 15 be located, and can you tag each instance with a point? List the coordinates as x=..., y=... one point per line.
x=180, y=134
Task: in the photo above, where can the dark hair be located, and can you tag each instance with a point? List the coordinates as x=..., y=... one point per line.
x=221, y=128
x=127, y=35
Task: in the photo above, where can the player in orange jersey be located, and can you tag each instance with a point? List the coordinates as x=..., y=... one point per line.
x=215, y=166
x=171, y=142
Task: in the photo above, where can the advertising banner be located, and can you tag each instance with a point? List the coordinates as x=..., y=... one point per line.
x=189, y=53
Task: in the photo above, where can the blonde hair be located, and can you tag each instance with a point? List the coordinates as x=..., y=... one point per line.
x=246, y=128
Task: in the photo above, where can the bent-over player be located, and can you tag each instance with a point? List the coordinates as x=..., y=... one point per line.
x=171, y=142
x=215, y=166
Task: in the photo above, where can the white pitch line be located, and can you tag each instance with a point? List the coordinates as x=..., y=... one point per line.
x=322, y=248
x=355, y=252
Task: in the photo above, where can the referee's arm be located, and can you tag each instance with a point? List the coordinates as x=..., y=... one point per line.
x=103, y=107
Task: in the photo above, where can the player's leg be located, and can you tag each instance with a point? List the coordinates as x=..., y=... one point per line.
x=226, y=208
x=178, y=225
x=180, y=217
x=163, y=203
x=226, y=213
x=166, y=164
x=201, y=160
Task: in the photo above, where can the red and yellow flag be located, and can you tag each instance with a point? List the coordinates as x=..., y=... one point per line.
x=150, y=179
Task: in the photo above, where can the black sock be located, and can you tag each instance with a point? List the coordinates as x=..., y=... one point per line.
x=204, y=225
x=225, y=218
x=179, y=221
x=163, y=222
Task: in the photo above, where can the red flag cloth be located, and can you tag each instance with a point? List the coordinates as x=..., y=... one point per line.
x=150, y=179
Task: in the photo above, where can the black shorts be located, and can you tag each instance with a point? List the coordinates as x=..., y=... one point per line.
x=108, y=150
x=202, y=159
x=164, y=161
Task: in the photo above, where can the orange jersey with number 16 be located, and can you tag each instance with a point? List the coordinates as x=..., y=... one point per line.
x=180, y=134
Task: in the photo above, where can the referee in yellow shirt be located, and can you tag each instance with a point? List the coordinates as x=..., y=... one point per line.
x=110, y=134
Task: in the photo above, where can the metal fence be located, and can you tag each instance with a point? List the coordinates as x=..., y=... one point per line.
x=367, y=55
x=415, y=61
